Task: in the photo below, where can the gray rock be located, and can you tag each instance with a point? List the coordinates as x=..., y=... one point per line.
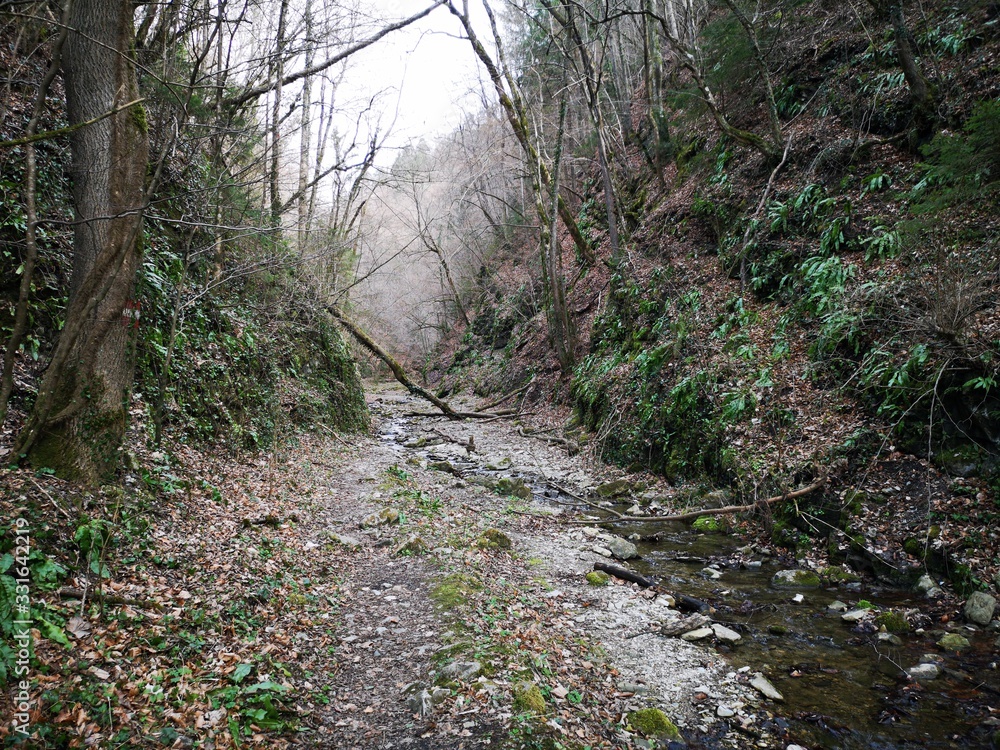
x=953, y=642
x=892, y=640
x=931, y=659
x=716, y=499
x=724, y=712
x=712, y=573
x=621, y=549
x=345, y=540
x=421, y=702
x=928, y=588
x=413, y=545
x=979, y=608
x=856, y=615
x=383, y=517
x=602, y=551
x=463, y=671
x=514, y=488
x=725, y=634
x=614, y=489
x=632, y=687
x=763, y=686
x=837, y=606
x=697, y=635
x=923, y=672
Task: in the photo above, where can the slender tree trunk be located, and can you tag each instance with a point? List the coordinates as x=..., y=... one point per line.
x=921, y=91
x=279, y=74
x=31, y=223
x=305, y=139
x=514, y=108
x=82, y=405
x=560, y=323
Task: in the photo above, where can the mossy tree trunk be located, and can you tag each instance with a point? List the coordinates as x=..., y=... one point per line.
x=80, y=413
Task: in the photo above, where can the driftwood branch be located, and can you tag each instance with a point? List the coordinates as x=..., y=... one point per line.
x=571, y=447
x=399, y=373
x=500, y=400
x=693, y=514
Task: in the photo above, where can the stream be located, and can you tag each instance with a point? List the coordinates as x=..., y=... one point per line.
x=844, y=686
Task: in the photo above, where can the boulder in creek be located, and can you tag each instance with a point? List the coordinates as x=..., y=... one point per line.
x=953, y=642
x=614, y=489
x=795, y=579
x=697, y=635
x=924, y=672
x=621, y=549
x=726, y=634
x=979, y=608
x=763, y=686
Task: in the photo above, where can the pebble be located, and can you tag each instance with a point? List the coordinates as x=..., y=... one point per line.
x=798, y=599
x=723, y=712
x=837, y=606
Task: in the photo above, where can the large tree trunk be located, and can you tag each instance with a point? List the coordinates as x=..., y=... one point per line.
x=80, y=413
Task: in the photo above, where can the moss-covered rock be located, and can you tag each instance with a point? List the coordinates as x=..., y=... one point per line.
x=796, y=579
x=494, y=539
x=652, y=722
x=892, y=621
x=384, y=517
x=837, y=575
x=413, y=545
x=614, y=489
x=513, y=488
x=598, y=578
x=528, y=698
x=710, y=524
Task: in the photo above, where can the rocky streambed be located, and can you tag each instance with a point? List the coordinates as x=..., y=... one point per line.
x=835, y=660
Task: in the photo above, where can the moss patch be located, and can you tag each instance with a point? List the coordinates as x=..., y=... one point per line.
x=494, y=539
x=528, y=698
x=652, y=722
x=455, y=590
x=598, y=578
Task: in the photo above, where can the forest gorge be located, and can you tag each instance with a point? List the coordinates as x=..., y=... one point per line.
x=729, y=262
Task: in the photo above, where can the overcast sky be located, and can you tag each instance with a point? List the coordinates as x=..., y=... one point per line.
x=430, y=75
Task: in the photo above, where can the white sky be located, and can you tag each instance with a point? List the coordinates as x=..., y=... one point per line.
x=430, y=74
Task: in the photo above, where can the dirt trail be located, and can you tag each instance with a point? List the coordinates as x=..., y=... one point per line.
x=246, y=607
x=438, y=649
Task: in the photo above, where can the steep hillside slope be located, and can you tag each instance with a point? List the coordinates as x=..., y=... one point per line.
x=830, y=311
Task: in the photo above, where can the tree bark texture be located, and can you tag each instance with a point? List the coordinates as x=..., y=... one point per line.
x=80, y=413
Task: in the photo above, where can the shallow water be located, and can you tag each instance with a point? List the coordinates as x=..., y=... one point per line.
x=843, y=689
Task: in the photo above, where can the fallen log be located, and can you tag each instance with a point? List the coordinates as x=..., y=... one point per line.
x=625, y=574
x=693, y=514
x=398, y=372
